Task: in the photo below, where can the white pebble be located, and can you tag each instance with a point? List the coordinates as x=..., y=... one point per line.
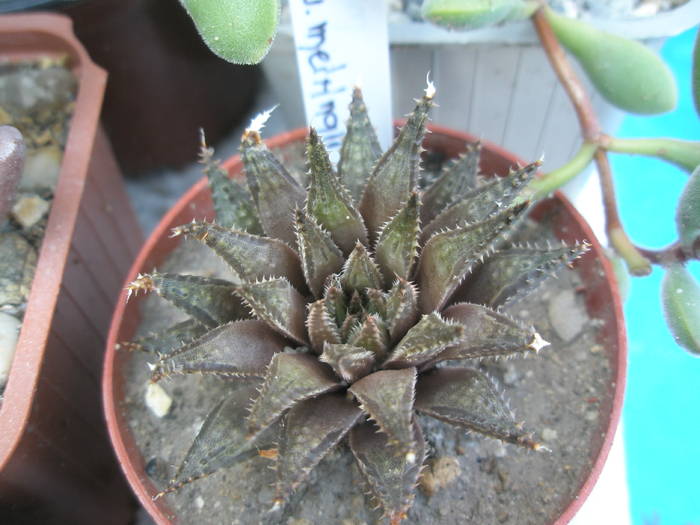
x=9, y=333
x=29, y=209
x=199, y=502
x=158, y=400
x=549, y=434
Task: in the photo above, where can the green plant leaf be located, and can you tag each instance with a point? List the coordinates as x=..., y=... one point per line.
x=470, y=14
x=688, y=213
x=626, y=73
x=240, y=31
x=680, y=294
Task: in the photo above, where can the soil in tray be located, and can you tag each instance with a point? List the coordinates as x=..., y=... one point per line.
x=469, y=479
x=36, y=97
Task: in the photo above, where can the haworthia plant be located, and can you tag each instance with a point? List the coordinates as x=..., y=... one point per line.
x=353, y=300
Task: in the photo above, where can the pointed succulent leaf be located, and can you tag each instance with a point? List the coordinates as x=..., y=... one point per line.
x=489, y=333
x=321, y=327
x=209, y=301
x=320, y=257
x=482, y=202
x=360, y=271
x=449, y=256
x=510, y=274
x=458, y=177
x=238, y=349
x=335, y=299
x=396, y=173
x=360, y=149
x=401, y=308
x=232, y=201
x=350, y=324
x=276, y=302
x=251, y=256
x=386, y=396
x=328, y=201
x=311, y=429
x=275, y=192
x=425, y=341
x=467, y=398
x=168, y=340
x=397, y=244
x=348, y=361
x=392, y=476
x=680, y=295
x=220, y=443
x=290, y=378
x=371, y=335
x=376, y=302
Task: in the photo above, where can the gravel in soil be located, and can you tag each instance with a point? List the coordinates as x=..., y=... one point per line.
x=36, y=97
x=561, y=394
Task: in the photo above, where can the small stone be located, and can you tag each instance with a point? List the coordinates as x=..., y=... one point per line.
x=9, y=333
x=41, y=169
x=549, y=434
x=199, y=502
x=567, y=316
x=17, y=266
x=29, y=210
x=158, y=400
x=591, y=415
x=596, y=349
x=443, y=471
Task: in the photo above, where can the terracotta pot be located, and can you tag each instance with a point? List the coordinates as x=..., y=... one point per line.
x=55, y=462
x=602, y=302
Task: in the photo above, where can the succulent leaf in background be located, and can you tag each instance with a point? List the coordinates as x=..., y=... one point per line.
x=358, y=315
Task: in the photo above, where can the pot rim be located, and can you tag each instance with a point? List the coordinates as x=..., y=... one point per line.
x=138, y=480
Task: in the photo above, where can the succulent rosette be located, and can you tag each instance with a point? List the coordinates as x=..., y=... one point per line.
x=356, y=303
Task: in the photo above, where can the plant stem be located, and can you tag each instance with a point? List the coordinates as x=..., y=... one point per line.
x=682, y=153
x=543, y=186
x=567, y=76
x=637, y=264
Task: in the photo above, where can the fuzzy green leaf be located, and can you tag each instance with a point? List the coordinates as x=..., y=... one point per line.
x=467, y=398
x=348, y=361
x=488, y=333
x=391, y=475
x=221, y=441
x=328, y=201
x=625, y=72
x=238, y=349
x=401, y=308
x=449, y=256
x=360, y=149
x=167, y=340
x=688, y=214
x=510, y=274
x=251, y=256
x=397, y=245
x=478, y=204
x=458, y=177
x=320, y=257
x=311, y=429
x=232, y=201
x=425, y=341
x=386, y=396
x=376, y=302
x=239, y=31
x=275, y=192
x=469, y=14
x=680, y=294
x=360, y=271
x=321, y=327
x=290, y=378
x=209, y=301
x=276, y=302
x=396, y=173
